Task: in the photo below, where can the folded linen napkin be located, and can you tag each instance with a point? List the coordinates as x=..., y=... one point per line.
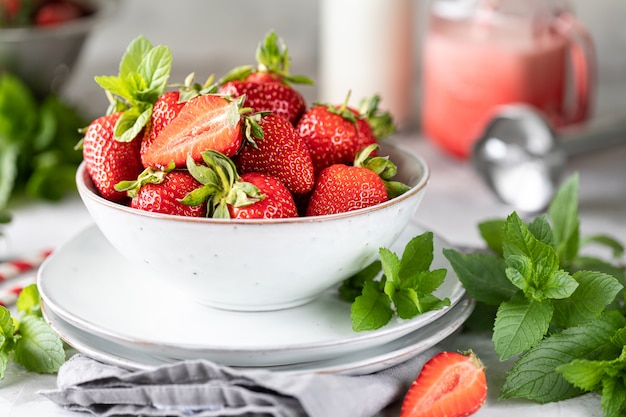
x=201, y=388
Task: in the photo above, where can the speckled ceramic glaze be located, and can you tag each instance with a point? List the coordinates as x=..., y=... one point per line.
x=252, y=264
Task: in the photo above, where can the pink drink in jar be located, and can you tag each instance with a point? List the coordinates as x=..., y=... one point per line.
x=474, y=63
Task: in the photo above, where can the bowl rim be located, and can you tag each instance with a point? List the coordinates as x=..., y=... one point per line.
x=103, y=10
x=87, y=190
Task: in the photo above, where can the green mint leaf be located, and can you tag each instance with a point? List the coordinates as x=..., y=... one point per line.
x=155, y=69
x=39, y=349
x=131, y=122
x=417, y=255
x=590, y=263
x=134, y=55
x=492, y=232
x=520, y=324
x=407, y=303
x=115, y=85
x=18, y=111
x=563, y=212
x=559, y=285
x=604, y=240
x=482, y=276
x=352, y=287
x=7, y=326
x=584, y=374
x=371, y=310
x=534, y=375
x=540, y=228
x=28, y=302
x=519, y=270
x=595, y=291
x=4, y=360
x=613, y=401
x=391, y=265
x=425, y=282
x=619, y=338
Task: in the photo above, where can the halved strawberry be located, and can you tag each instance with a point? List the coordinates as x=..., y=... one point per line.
x=450, y=384
x=109, y=161
x=341, y=188
x=205, y=122
x=227, y=195
x=165, y=109
x=277, y=98
x=281, y=153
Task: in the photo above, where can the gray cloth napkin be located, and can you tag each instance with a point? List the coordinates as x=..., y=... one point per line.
x=203, y=389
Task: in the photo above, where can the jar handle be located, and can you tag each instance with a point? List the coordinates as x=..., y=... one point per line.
x=583, y=59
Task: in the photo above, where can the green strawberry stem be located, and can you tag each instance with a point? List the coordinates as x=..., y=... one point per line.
x=381, y=122
x=384, y=167
x=221, y=185
x=272, y=57
x=149, y=175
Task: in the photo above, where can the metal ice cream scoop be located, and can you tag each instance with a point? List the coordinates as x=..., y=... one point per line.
x=522, y=159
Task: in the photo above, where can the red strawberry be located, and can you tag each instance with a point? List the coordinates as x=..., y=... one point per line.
x=205, y=122
x=276, y=203
x=109, y=161
x=165, y=195
x=281, y=153
x=165, y=109
x=253, y=195
x=340, y=188
x=278, y=98
x=335, y=134
x=56, y=12
x=450, y=384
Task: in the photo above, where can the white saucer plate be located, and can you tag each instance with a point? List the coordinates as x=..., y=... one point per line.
x=364, y=362
x=89, y=285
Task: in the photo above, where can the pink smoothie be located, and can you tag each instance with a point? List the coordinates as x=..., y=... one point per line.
x=468, y=70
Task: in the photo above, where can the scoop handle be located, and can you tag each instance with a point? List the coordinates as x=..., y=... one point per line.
x=597, y=137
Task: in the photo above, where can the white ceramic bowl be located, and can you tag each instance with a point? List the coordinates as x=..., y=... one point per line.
x=256, y=265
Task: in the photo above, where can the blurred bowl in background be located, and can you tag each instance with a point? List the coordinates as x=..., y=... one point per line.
x=44, y=56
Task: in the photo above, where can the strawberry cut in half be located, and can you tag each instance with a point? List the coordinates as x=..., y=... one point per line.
x=205, y=122
x=450, y=384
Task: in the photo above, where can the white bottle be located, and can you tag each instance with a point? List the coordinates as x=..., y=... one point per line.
x=367, y=47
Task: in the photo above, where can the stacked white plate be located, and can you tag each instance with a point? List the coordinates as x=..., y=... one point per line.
x=110, y=310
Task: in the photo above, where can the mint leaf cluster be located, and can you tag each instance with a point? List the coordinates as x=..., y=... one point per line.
x=37, y=140
x=143, y=76
x=29, y=339
x=555, y=311
x=405, y=288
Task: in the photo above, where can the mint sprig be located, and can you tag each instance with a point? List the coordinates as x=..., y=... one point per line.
x=30, y=340
x=558, y=313
x=405, y=288
x=143, y=75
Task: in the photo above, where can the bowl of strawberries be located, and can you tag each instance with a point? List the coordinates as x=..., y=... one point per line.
x=41, y=40
x=236, y=192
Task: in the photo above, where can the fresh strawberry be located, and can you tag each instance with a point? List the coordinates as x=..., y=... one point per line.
x=277, y=201
x=281, y=153
x=335, y=133
x=340, y=188
x=228, y=195
x=278, y=98
x=205, y=122
x=162, y=192
x=272, y=65
x=57, y=12
x=165, y=109
x=450, y=384
x=109, y=161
